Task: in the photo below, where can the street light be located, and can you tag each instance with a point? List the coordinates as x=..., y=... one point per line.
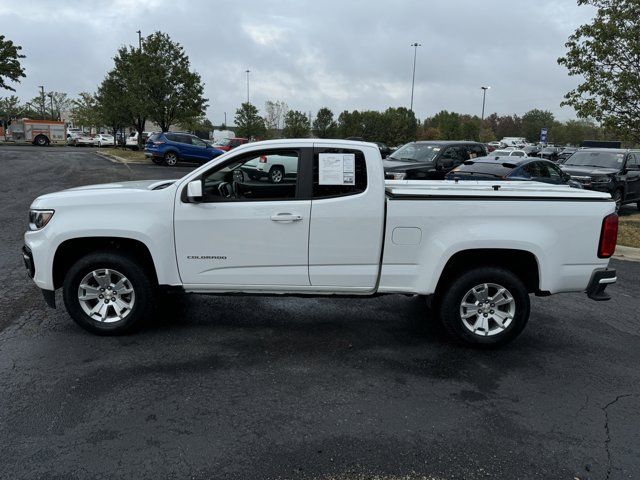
x=139, y=32
x=484, y=98
x=413, y=79
x=248, y=71
x=50, y=95
x=41, y=87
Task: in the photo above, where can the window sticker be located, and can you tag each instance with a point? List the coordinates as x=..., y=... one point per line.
x=337, y=169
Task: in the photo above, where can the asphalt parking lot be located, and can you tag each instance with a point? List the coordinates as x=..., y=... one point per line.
x=275, y=388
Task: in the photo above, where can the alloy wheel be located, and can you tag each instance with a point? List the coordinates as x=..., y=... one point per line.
x=106, y=295
x=487, y=309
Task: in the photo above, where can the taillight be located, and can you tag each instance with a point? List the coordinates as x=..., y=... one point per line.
x=263, y=159
x=608, y=236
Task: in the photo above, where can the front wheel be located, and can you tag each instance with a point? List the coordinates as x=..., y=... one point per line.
x=617, y=197
x=108, y=293
x=484, y=307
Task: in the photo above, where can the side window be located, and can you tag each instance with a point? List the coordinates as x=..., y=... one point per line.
x=234, y=143
x=257, y=176
x=476, y=151
x=634, y=161
x=184, y=139
x=534, y=170
x=198, y=142
x=328, y=191
x=171, y=137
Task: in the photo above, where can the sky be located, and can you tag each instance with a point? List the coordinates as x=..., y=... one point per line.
x=344, y=55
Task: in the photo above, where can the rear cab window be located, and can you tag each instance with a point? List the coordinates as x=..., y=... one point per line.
x=359, y=185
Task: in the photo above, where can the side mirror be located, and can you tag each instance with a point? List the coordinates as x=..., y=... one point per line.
x=194, y=191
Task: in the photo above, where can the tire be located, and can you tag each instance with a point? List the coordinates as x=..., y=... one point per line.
x=638, y=205
x=276, y=174
x=111, y=267
x=617, y=197
x=170, y=159
x=41, y=141
x=483, y=330
x=157, y=160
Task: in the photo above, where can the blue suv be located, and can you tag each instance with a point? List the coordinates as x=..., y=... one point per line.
x=171, y=147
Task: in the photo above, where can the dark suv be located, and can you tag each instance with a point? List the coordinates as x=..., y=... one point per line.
x=171, y=147
x=430, y=160
x=610, y=170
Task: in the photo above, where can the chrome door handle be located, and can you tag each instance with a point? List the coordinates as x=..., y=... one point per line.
x=286, y=217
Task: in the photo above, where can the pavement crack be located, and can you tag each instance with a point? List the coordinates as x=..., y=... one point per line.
x=607, y=440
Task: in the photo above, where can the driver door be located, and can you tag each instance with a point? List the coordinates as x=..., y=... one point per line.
x=247, y=233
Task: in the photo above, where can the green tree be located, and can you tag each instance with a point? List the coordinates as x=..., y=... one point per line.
x=275, y=112
x=174, y=93
x=248, y=123
x=113, y=107
x=296, y=125
x=86, y=110
x=399, y=126
x=10, y=108
x=534, y=121
x=57, y=104
x=350, y=124
x=606, y=53
x=10, y=68
x=324, y=126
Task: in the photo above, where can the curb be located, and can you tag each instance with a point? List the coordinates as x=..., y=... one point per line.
x=627, y=253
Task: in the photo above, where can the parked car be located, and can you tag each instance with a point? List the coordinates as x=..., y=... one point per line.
x=132, y=139
x=171, y=147
x=565, y=154
x=515, y=168
x=80, y=139
x=495, y=145
x=277, y=168
x=227, y=144
x=430, y=160
x=550, y=153
x=531, y=150
x=615, y=171
x=508, y=152
x=103, y=140
x=477, y=251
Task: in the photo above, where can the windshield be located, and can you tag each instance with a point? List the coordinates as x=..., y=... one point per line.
x=415, y=152
x=224, y=142
x=596, y=159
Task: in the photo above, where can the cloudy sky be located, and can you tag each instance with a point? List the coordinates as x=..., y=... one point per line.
x=341, y=54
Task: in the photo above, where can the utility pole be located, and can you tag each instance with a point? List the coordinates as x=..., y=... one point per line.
x=225, y=119
x=42, y=107
x=248, y=71
x=413, y=79
x=50, y=95
x=139, y=32
x=484, y=97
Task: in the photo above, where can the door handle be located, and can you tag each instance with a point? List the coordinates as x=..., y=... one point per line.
x=286, y=217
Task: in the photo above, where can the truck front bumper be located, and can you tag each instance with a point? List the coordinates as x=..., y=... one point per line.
x=600, y=279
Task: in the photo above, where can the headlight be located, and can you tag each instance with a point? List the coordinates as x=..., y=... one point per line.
x=601, y=179
x=38, y=219
x=399, y=175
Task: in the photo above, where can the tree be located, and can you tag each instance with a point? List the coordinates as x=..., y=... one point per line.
x=59, y=102
x=296, y=125
x=350, y=124
x=275, y=112
x=248, y=123
x=534, y=121
x=173, y=91
x=10, y=108
x=606, y=54
x=197, y=125
x=113, y=106
x=86, y=111
x=10, y=68
x=324, y=126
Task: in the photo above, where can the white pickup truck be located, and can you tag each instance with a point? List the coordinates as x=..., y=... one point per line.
x=476, y=250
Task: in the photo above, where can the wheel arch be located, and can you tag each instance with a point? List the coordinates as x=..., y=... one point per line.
x=522, y=263
x=70, y=251
x=47, y=140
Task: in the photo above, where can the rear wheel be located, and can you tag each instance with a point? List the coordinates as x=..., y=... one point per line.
x=170, y=159
x=276, y=174
x=41, y=141
x=157, y=160
x=484, y=307
x=108, y=293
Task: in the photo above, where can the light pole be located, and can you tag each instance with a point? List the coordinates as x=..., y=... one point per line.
x=225, y=119
x=484, y=98
x=248, y=71
x=50, y=95
x=413, y=78
x=139, y=32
